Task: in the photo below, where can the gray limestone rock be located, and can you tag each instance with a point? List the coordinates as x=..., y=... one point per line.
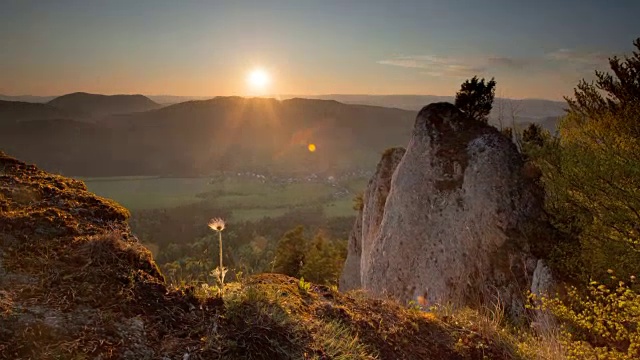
x=462, y=220
x=368, y=219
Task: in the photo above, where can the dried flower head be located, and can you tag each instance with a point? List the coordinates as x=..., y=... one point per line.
x=216, y=224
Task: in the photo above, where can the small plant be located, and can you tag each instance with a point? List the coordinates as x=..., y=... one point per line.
x=207, y=291
x=217, y=224
x=304, y=286
x=603, y=321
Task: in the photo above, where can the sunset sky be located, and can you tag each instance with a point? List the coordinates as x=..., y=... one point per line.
x=534, y=49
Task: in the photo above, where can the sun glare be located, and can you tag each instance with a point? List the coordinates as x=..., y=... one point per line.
x=258, y=80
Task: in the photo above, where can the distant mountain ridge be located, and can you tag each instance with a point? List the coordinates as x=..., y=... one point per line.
x=526, y=110
x=221, y=134
x=528, y=107
x=27, y=98
x=96, y=135
x=542, y=111
x=97, y=106
x=18, y=111
x=202, y=136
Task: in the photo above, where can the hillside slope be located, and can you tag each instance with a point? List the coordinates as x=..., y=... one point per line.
x=19, y=111
x=27, y=98
x=97, y=106
x=230, y=134
x=74, y=283
x=543, y=112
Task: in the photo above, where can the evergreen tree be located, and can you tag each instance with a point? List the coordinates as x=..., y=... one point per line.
x=533, y=135
x=475, y=98
x=290, y=252
x=323, y=261
x=591, y=172
x=508, y=132
x=615, y=93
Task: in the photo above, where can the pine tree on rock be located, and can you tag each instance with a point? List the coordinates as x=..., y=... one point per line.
x=475, y=98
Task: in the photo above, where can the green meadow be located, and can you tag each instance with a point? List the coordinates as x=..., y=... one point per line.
x=247, y=198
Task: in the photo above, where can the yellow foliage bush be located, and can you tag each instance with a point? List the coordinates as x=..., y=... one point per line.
x=601, y=323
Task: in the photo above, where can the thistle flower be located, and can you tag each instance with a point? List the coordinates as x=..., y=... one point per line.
x=219, y=274
x=216, y=224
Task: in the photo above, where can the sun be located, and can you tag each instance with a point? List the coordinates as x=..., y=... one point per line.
x=258, y=79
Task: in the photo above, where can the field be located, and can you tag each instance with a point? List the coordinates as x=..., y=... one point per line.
x=247, y=198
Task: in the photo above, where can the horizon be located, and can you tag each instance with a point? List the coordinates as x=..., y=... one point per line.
x=277, y=97
x=248, y=48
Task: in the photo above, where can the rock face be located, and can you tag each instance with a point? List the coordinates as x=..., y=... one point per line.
x=459, y=220
x=542, y=282
x=74, y=282
x=374, y=202
x=369, y=219
x=350, y=277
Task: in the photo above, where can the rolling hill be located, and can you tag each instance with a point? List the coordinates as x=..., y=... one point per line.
x=27, y=98
x=95, y=135
x=97, y=106
x=540, y=111
x=221, y=134
x=18, y=111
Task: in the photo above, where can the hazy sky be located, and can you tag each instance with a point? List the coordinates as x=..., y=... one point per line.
x=203, y=48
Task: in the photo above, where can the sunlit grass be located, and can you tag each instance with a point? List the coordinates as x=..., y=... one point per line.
x=137, y=193
x=339, y=208
x=249, y=199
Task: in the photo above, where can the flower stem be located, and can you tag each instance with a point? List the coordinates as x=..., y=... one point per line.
x=220, y=242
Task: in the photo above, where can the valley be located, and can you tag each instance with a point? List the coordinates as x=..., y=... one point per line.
x=247, y=196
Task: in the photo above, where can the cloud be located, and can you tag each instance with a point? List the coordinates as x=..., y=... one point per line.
x=435, y=65
x=573, y=56
x=453, y=67
x=558, y=61
x=508, y=62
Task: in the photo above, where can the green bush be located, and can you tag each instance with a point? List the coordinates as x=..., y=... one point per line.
x=591, y=173
x=599, y=323
x=591, y=176
x=323, y=261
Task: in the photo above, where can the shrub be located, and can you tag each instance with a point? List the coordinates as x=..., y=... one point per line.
x=290, y=252
x=601, y=323
x=475, y=98
x=591, y=173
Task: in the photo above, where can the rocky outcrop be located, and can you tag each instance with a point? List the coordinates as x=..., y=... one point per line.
x=542, y=283
x=460, y=218
x=73, y=280
x=374, y=201
x=368, y=219
x=350, y=277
